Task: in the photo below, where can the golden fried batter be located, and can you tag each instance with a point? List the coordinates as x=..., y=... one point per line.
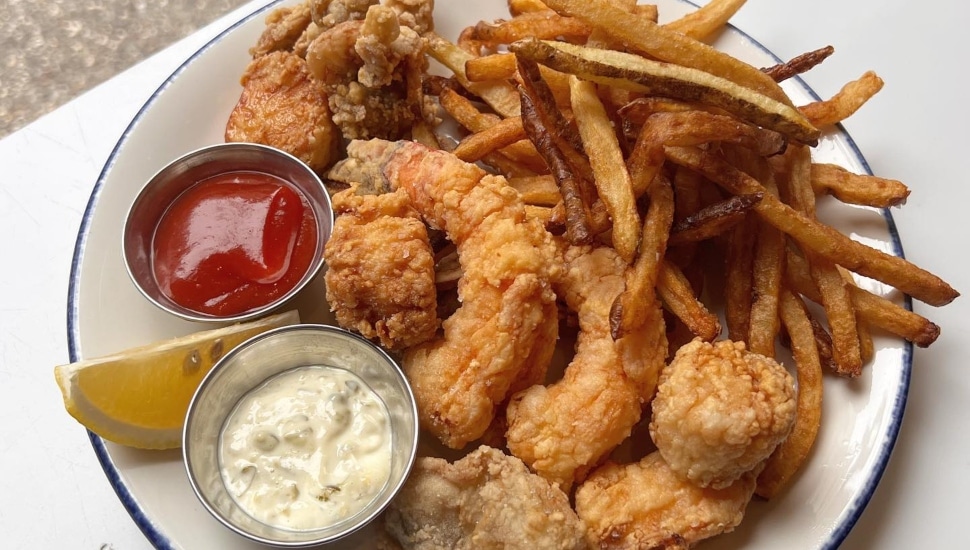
x=720, y=410
x=486, y=500
x=645, y=505
x=283, y=106
x=380, y=275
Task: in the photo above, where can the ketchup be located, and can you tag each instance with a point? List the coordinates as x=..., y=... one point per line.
x=233, y=242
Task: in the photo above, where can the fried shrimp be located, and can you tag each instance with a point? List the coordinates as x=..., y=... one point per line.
x=508, y=262
x=646, y=505
x=380, y=278
x=565, y=429
x=720, y=410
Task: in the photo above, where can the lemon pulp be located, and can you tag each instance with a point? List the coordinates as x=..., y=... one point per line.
x=139, y=397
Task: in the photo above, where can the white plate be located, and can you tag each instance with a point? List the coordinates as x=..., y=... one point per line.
x=860, y=420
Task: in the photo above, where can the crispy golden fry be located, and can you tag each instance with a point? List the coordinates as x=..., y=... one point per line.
x=578, y=229
x=541, y=24
x=823, y=343
x=476, y=146
x=693, y=128
x=738, y=279
x=632, y=307
x=826, y=241
x=678, y=297
x=876, y=310
x=847, y=101
x=638, y=110
x=860, y=189
x=499, y=95
x=518, y=7
x=639, y=74
x=707, y=19
x=646, y=36
x=537, y=190
x=793, y=451
x=712, y=220
x=507, y=166
x=799, y=64
x=465, y=113
x=611, y=178
x=565, y=131
x=832, y=287
x=497, y=66
x=769, y=264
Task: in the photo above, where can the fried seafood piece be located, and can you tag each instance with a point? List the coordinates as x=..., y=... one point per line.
x=380, y=275
x=283, y=106
x=486, y=500
x=327, y=13
x=508, y=261
x=646, y=505
x=371, y=69
x=284, y=27
x=563, y=430
x=720, y=410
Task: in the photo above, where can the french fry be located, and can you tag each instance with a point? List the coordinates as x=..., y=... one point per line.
x=768, y=266
x=476, y=146
x=828, y=279
x=646, y=36
x=706, y=20
x=847, y=101
x=611, y=178
x=497, y=66
x=859, y=189
x=540, y=24
x=518, y=7
x=466, y=114
x=824, y=240
x=799, y=64
x=632, y=307
x=876, y=310
x=499, y=95
x=712, y=220
x=788, y=458
x=738, y=279
x=678, y=297
x=578, y=229
x=537, y=190
x=639, y=74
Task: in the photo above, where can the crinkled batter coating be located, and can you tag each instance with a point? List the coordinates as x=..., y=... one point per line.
x=646, y=505
x=380, y=269
x=720, y=410
x=284, y=27
x=486, y=500
x=283, y=106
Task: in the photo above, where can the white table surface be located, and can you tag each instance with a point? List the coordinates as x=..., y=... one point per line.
x=53, y=493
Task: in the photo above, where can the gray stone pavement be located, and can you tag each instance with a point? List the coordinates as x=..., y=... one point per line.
x=53, y=50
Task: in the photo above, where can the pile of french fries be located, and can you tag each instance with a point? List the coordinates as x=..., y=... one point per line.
x=696, y=167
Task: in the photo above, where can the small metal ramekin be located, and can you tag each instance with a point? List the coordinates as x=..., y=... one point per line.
x=250, y=364
x=169, y=182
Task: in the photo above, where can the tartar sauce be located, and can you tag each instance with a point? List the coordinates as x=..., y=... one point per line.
x=307, y=449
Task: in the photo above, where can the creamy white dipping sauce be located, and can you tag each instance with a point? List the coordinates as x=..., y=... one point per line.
x=307, y=449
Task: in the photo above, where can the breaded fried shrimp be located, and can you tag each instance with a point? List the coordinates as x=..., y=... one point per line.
x=645, y=505
x=565, y=429
x=508, y=262
x=720, y=410
x=380, y=269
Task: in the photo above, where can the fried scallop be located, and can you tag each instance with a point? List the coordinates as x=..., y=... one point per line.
x=282, y=105
x=720, y=411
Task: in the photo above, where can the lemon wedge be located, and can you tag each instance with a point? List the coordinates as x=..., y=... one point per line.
x=139, y=397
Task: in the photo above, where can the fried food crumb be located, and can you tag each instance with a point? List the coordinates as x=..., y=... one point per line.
x=720, y=411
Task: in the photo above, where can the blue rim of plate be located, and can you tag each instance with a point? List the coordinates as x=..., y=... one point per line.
x=160, y=541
